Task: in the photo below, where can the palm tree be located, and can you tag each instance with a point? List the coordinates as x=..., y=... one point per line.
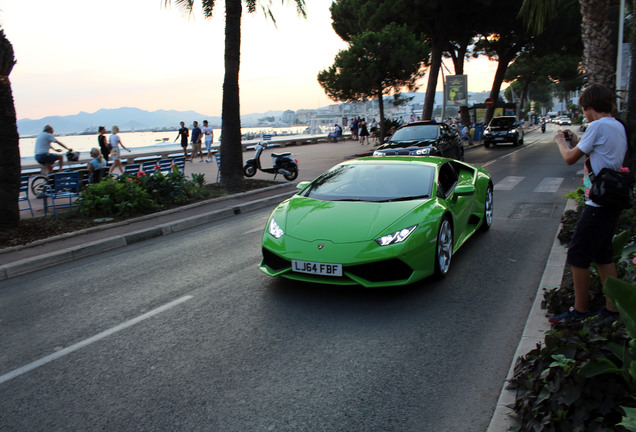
x=231, y=150
x=599, y=31
x=9, y=143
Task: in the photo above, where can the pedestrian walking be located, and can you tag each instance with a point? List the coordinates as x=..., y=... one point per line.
x=184, y=133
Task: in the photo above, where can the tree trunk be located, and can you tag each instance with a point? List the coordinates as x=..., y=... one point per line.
x=381, y=109
x=502, y=65
x=439, y=41
x=599, y=31
x=9, y=143
x=431, y=87
x=231, y=149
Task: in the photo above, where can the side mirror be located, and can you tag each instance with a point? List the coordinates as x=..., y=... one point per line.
x=464, y=190
x=302, y=185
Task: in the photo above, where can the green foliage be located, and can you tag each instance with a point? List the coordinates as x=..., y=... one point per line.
x=558, y=391
x=375, y=63
x=140, y=193
x=623, y=295
x=114, y=198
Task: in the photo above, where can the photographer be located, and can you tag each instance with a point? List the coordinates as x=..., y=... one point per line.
x=605, y=144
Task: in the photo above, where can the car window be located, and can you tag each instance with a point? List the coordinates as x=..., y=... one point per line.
x=447, y=179
x=373, y=182
x=420, y=132
x=503, y=122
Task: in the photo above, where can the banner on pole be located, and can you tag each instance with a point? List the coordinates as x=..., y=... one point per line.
x=456, y=90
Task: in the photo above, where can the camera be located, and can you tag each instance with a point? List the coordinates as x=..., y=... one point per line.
x=567, y=135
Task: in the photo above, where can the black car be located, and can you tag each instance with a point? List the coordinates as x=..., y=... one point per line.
x=503, y=129
x=426, y=138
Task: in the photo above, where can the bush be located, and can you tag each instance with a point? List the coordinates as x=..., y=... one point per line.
x=115, y=198
x=140, y=193
x=556, y=393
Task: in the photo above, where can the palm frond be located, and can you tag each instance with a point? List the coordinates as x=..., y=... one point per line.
x=537, y=13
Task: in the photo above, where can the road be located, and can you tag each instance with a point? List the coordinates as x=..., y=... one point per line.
x=184, y=333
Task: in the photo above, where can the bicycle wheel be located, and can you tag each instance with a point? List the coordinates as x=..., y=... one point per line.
x=37, y=184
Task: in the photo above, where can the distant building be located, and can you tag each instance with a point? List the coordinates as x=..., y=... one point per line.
x=289, y=117
x=304, y=116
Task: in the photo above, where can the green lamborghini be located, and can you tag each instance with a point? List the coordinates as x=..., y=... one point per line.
x=378, y=221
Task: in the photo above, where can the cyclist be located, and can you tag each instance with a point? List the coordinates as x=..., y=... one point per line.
x=43, y=145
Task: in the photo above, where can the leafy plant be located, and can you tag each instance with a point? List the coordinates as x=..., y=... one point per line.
x=116, y=198
x=554, y=393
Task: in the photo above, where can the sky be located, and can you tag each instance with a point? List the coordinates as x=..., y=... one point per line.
x=85, y=55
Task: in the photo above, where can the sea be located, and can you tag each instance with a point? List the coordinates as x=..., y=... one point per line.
x=143, y=142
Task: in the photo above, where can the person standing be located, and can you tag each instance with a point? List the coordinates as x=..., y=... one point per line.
x=354, y=129
x=363, y=131
x=115, y=142
x=605, y=144
x=196, y=141
x=104, y=145
x=208, y=133
x=43, y=145
x=184, y=133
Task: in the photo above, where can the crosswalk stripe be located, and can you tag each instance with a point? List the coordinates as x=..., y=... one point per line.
x=508, y=183
x=549, y=184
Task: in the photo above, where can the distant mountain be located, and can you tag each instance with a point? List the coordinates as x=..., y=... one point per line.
x=127, y=119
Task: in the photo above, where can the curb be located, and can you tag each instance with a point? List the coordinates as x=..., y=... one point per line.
x=503, y=419
x=40, y=262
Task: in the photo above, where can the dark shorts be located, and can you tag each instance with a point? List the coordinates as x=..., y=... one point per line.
x=46, y=158
x=592, y=239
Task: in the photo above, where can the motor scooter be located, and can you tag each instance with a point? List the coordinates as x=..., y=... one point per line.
x=283, y=163
x=542, y=127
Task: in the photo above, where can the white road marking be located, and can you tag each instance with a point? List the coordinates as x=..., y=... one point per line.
x=549, y=184
x=44, y=360
x=492, y=161
x=508, y=183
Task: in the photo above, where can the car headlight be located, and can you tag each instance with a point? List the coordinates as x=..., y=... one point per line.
x=396, y=237
x=514, y=131
x=487, y=132
x=274, y=229
x=421, y=152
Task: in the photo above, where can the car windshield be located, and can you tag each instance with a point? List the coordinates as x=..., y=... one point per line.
x=379, y=182
x=503, y=122
x=416, y=133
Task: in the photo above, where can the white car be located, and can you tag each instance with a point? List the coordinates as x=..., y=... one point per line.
x=564, y=120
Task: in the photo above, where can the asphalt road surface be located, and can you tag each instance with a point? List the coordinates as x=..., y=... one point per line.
x=184, y=333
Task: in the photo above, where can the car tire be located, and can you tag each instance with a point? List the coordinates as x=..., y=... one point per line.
x=443, y=248
x=489, y=201
x=486, y=144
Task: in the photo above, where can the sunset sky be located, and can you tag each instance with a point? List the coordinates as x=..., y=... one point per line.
x=79, y=55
